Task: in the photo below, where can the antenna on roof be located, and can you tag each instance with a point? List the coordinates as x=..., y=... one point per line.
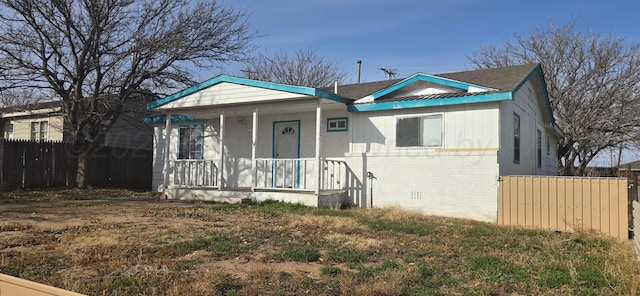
x=390, y=72
x=249, y=73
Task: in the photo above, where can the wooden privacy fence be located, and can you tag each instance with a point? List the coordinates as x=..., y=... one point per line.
x=565, y=203
x=30, y=164
x=10, y=286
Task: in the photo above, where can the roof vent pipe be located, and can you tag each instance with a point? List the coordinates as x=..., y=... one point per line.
x=359, y=67
x=335, y=88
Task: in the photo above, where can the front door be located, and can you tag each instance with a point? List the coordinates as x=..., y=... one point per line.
x=286, y=151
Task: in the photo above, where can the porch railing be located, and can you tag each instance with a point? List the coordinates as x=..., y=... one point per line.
x=195, y=172
x=300, y=173
x=334, y=174
x=281, y=173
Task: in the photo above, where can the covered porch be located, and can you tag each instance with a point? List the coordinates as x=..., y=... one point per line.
x=290, y=180
x=241, y=139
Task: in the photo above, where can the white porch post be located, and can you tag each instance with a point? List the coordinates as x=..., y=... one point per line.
x=221, y=160
x=254, y=140
x=318, y=131
x=167, y=145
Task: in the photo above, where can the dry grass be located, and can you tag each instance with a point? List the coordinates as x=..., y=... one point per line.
x=135, y=245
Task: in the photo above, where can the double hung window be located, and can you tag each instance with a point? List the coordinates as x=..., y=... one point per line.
x=190, y=144
x=39, y=130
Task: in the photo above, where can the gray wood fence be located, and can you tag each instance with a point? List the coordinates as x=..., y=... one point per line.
x=30, y=164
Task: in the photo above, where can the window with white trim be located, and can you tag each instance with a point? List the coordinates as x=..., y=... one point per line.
x=9, y=132
x=337, y=124
x=39, y=130
x=419, y=131
x=190, y=141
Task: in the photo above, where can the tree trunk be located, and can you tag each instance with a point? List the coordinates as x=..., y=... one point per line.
x=81, y=175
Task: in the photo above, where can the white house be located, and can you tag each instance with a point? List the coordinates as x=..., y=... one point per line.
x=434, y=143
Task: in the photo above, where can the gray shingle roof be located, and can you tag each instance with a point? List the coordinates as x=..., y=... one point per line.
x=503, y=79
x=361, y=90
x=31, y=107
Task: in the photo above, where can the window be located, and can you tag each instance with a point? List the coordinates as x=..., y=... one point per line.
x=9, y=132
x=516, y=138
x=422, y=131
x=39, y=130
x=539, y=142
x=190, y=139
x=337, y=124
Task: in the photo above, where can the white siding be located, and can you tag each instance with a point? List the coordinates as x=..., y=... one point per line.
x=237, y=142
x=454, y=184
x=469, y=126
x=228, y=93
x=525, y=104
x=458, y=179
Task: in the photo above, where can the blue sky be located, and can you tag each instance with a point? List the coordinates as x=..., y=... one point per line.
x=421, y=36
x=418, y=36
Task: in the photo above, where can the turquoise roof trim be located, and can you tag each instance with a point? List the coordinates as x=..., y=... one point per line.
x=163, y=118
x=430, y=102
x=248, y=82
x=538, y=70
x=427, y=78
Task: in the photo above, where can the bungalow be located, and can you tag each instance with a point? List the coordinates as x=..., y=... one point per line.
x=433, y=143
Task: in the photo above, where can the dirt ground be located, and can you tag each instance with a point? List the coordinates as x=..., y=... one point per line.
x=119, y=242
x=60, y=216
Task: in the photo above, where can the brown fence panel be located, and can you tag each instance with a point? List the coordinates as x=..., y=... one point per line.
x=636, y=227
x=565, y=203
x=30, y=164
x=118, y=167
x=15, y=286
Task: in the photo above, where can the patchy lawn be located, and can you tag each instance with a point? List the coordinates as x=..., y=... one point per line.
x=116, y=242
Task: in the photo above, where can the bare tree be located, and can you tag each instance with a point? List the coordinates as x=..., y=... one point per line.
x=592, y=82
x=98, y=55
x=303, y=68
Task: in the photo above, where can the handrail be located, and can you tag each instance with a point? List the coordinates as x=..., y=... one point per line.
x=300, y=173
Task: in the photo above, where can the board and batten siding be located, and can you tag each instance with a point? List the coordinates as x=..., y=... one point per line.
x=469, y=126
x=228, y=93
x=525, y=105
x=456, y=180
x=210, y=150
x=237, y=142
